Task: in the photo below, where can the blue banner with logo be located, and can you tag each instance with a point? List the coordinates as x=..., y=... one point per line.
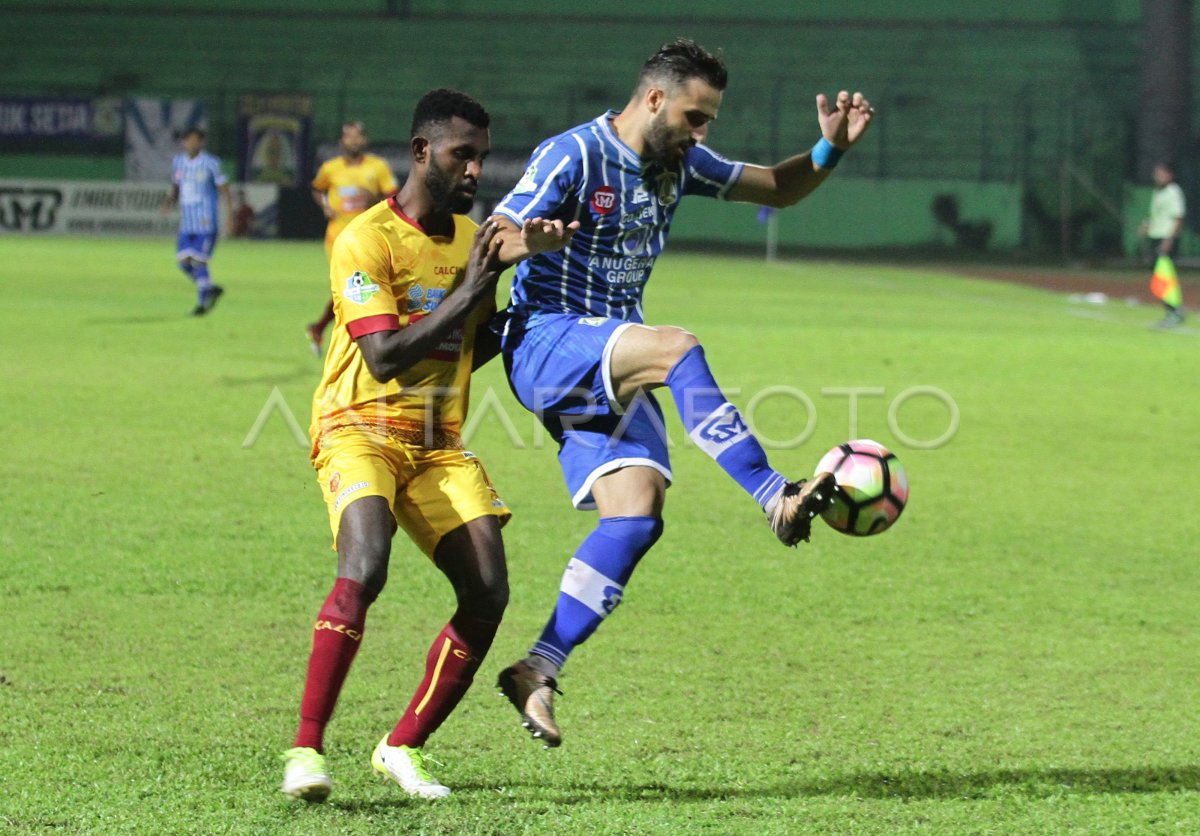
x=39, y=123
x=275, y=132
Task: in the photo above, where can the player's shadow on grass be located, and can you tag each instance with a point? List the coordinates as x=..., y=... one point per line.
x=905, y=785
x=1038, y=783
x=140, y=319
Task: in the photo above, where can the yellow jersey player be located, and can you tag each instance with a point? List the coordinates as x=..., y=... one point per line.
x=413, y=284
x=344, y=188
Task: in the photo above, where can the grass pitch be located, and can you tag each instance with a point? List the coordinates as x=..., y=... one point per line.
x=1021, y=653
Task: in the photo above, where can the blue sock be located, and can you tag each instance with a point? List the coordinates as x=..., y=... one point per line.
x=203, y=281
x=594, y=582
x=186, y=267
x=718, y=429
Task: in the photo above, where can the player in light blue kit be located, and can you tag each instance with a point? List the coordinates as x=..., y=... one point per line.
x=579, y=356
x=196, y=180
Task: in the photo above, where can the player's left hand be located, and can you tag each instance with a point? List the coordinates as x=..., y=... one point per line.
x=846, y=121
x=542, y=235
x=483, y=262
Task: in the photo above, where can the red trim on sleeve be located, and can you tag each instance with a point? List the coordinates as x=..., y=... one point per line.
x=373, y=324
x=395, y=207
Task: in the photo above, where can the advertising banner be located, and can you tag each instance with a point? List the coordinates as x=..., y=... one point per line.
x=152, y=131
x=274, y=133
x=95, y=207
x=39, y=123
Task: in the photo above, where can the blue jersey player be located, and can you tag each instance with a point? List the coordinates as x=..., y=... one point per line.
x=196, y=180
x=579, y=355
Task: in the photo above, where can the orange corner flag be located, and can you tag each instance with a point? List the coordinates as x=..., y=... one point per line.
x=1165, y=283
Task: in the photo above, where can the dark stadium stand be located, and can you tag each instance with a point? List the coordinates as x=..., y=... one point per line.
x=963, y=100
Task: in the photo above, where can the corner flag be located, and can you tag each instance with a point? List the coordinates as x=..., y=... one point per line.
x=1164, y=283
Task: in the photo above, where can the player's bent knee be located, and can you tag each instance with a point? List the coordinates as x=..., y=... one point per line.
x=487, y=601
x=675, y=343
x=484, y=592
x=369, y=569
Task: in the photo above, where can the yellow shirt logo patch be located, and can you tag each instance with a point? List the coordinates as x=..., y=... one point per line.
x=360, y=288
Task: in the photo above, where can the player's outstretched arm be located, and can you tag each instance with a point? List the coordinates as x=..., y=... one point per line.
x=388, y=353
x=788, y=182
x=536, y=235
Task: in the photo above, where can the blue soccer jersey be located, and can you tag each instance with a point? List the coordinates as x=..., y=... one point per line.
x=198, y=178
x=624, y=207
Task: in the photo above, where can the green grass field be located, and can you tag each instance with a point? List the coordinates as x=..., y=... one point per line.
x=1020, y=654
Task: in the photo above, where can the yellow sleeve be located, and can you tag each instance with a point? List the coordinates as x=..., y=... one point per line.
x=322, y=181
x=363, y=284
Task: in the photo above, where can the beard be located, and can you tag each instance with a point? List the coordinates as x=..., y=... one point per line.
x=443, y=191
x=660, y=147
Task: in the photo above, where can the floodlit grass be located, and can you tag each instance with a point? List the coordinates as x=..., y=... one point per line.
x=1020, y=654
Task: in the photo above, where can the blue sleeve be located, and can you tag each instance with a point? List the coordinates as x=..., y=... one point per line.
x=218, y=176
x=708, y=174
x=550, y=185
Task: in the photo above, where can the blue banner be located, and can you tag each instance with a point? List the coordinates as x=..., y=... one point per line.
x=40, y=122
x=275, y=132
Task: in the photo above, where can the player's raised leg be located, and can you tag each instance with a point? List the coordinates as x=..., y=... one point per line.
x=363, y=545
x=472, y=558
x=646, y=358
x=630, y=502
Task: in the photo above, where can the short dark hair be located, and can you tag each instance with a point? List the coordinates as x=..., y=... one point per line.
x=194, y=129
x=442, y=105
x=354, y=123
x=682, y=59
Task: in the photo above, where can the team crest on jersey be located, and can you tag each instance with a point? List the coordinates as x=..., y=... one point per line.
x=668, y=188
x=528, y=181
x=604, y=200
x=335, y=482
x=360, y=288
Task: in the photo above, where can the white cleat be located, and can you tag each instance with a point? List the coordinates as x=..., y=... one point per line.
x=406, y=766
x=305, y=777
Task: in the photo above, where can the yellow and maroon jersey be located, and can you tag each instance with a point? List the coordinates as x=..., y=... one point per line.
x=387, y=274
x=352, y=187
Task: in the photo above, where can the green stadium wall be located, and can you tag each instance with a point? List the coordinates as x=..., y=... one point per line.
x=855, y=212
x=983, y=101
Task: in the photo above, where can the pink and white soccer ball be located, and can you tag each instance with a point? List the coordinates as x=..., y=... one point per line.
x=872, y=487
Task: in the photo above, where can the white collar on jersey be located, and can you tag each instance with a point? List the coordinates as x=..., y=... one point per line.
x=604, y=120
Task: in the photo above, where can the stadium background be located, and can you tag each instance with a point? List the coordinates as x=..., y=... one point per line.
x=1019, y=655
x=1001, y=111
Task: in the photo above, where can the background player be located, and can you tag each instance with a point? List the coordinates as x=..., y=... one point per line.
x=196, y=178
x=344, y=188
x=578, y=354
x=1162, y=230
x=412, y=291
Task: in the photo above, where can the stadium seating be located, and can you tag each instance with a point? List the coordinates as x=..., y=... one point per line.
x=966, y=100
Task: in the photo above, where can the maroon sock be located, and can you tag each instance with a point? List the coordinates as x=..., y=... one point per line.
x=336, y=637
x=450, y=666
x=326, y=318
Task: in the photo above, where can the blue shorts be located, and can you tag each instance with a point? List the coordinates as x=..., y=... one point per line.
x=195, y=245
x=559, y=367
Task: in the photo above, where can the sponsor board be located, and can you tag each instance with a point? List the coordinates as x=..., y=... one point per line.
x=98, y=207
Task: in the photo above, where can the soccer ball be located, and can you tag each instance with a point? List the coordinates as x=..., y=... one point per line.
x=872, y=487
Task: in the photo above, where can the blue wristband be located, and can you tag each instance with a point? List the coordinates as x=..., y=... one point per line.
x=826, y=154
